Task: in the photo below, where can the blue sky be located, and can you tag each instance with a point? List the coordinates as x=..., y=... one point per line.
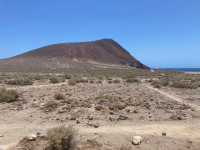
x=159, y=33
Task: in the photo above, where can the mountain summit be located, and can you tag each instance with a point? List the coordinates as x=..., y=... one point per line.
x=105, y=51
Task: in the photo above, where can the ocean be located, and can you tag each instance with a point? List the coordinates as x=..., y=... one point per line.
x=182, y=69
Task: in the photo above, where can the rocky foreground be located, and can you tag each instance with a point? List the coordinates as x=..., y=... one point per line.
x=107, y=115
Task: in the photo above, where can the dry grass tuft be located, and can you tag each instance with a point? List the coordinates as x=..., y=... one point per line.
x=62, y=138
x=8, y=95
x=59, y=96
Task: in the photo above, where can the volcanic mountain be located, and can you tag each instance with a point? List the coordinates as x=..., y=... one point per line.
x=105, y=51
x=69, y=57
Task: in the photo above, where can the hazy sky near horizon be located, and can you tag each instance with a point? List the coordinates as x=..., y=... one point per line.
x=159, y=33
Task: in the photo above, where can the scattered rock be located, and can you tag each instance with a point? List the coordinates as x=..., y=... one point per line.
x=164, y=134
x=136, y=111
x=1, y=136
x=73, y=118
x=90, y=117
x=42, y=104
x=122, y=117
x=39, y=133
x=111, y=119
x=189, y=141
x=77, y=122
x=96, y=125
x=32, y=137
x=137, y=140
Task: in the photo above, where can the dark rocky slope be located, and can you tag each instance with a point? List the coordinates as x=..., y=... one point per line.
x=104, y=51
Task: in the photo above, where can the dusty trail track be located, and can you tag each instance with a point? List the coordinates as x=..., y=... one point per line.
x=196, y=107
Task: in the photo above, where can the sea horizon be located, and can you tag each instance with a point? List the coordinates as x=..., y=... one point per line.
x=182, y=69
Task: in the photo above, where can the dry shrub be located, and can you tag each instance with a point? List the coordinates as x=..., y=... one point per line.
x=184, y=85
x=8, y=95
x=62, y=138
x=72, y=81
x=67, y=76
x=59, y=96
x=99, y=81
x=158, y=86
x=98, y=107
x=20, y=81
x=54, y=80
x=116, y=81
x=156, y=83
x=83, y=81
x=105, y=96
x=51, y=105
x=132, y=80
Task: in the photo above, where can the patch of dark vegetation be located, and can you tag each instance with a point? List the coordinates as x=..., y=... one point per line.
x=186, y=85
x=67, y=76
x=55, y=80
x=20, y=81
x=8, y=95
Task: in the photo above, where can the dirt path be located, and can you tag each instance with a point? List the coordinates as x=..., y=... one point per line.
x=38, y=86
x=196, y=107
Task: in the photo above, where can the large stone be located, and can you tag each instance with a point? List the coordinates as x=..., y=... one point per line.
x=32, y=137
x=137, y=140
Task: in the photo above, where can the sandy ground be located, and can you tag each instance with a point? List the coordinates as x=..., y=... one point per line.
x=193, y=72
x=152, y=120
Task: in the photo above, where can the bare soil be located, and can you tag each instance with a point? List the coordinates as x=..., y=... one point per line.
x=149, y=112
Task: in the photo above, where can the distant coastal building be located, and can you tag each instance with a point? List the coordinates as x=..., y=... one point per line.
x=156, y=69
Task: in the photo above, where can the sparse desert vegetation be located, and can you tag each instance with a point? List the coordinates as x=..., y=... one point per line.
x=8, y=95
x=62, y=138
x=59, y=96
x=96, y=105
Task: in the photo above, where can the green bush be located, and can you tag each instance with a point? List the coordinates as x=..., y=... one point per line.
x=186, y=85
x=8, y=95
x=20, y=81
x=59, y=96
x=62, y=138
